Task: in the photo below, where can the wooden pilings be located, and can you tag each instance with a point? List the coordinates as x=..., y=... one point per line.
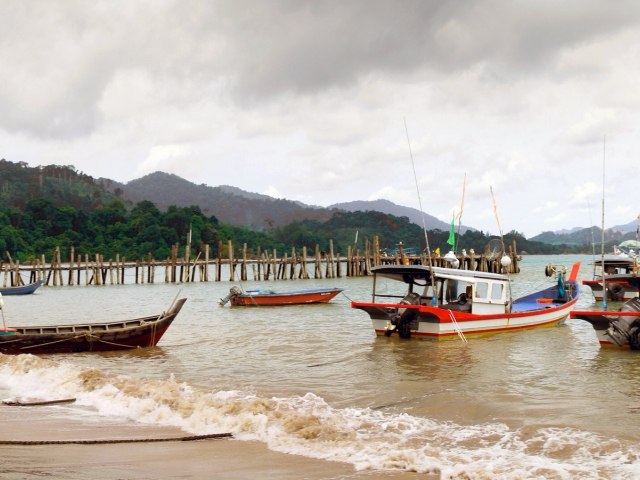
x=264, y=265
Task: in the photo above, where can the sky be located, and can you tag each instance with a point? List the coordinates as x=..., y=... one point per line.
x=308, y=100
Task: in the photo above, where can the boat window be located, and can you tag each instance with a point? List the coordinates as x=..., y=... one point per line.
x=496, y=291
x=482, y=288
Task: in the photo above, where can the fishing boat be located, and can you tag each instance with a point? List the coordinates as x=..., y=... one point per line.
x=621, y=279
x=21, y=290
x=89, y=337
x=263, y=298
x=621, y=328
x=465, y=302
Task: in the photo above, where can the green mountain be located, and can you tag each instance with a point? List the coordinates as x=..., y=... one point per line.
x=63, y=185
x=229, y=204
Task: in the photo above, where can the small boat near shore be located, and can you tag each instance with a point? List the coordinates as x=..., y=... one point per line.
x=465, y=302
x=22, y=289
x=263, y=298
x=89, y=337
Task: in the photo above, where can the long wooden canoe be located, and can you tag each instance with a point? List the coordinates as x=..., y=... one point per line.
x=89, y=337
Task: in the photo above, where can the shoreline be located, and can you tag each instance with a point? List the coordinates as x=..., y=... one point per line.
x=223, y=458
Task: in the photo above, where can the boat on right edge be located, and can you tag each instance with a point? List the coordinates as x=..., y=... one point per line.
x=621, y=328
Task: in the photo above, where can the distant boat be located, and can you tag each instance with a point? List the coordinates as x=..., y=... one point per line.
x=21, y=290
x=89, y=337
x=263, y=298
x=621, y=279
x=466, y=302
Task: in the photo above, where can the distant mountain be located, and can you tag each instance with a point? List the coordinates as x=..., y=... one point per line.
x=228, y=204
x=565, y=231
x=627, y=227
x=579, y=237
x=385, y=206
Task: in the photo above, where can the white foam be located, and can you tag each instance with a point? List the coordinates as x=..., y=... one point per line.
x=307, y=425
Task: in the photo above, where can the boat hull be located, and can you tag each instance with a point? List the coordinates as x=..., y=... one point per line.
x=137, y=333
x=23, y=290
x=626, y=292
x=479, y=325
x=288, y=298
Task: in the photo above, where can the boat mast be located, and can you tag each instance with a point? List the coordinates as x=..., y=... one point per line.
x=459, y=215
x=424, y=227
x=593, y=240
x=604, y=281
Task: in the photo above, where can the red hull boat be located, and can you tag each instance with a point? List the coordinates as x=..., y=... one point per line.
x=263, y=298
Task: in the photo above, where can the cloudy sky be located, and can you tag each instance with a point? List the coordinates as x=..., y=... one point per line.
x=306, y=100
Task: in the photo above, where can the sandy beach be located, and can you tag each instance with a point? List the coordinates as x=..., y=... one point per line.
x=219, y=458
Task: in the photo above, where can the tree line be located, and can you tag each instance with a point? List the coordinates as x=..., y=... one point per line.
x=134, y=232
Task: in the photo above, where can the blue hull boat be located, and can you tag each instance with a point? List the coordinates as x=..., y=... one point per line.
x=22, y=290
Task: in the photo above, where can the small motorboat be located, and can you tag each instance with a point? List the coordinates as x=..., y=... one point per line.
x=621, y=328
x=89, y=337
x=263, y=298
x=621, y=279
x=465, y=302
x=22, y=289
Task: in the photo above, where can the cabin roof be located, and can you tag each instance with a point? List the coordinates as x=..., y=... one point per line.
x=423, y=271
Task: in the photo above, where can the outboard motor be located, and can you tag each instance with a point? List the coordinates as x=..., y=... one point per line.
x=402, y=320
x=626, y=329
x=233, y=292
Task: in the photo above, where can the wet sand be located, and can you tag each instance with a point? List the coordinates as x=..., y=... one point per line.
x=218, y=458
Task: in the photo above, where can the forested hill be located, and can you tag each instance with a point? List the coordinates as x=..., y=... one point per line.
x=63, y=185
x=583, y=237
x=259, y=212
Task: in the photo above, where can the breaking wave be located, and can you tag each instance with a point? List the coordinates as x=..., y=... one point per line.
x=307, y=425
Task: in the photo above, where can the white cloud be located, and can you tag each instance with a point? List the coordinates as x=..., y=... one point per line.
x=272, y=192
x=167, y=158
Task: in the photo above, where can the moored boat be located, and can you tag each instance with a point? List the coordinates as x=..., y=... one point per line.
x=89, y=337
x=620, y=277
x=22, y=289
x=621, y=328
x=256, y=298
x=465, y=302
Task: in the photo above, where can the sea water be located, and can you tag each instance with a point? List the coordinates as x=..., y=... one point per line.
x=314, y=380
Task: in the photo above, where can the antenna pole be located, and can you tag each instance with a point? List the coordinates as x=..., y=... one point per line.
x=593, y=240
x=464, y=187
x=604, y=280
x=424, y=227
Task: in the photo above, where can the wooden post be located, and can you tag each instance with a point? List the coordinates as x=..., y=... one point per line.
x=110, y=272
x=331, y=259
x=142, y=265
x=338, y=266
x=367, y=257
x=117, y=269
x=243, y=269
x=137, y=267
x=124, y=263
x=231, y=269
x=166, y=270
x=206, y=262
x=70, y=280
x=274, y=264
x=174, y=257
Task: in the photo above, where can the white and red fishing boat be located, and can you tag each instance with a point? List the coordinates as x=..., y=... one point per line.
x=615, y=328
x=263, y=298
x=466, y=303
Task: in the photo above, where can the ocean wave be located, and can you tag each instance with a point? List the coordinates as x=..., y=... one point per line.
x=307, y=425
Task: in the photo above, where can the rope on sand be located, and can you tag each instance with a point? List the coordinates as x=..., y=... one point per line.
x=191, y=438
x=18, y=403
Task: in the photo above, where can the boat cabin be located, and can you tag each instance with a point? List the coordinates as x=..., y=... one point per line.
x=480, y=293
x=615, y=266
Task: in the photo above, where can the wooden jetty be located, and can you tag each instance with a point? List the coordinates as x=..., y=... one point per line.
x=264, y=265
